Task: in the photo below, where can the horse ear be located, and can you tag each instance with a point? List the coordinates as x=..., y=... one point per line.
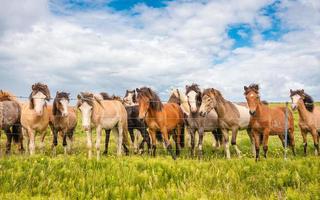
x=137, y=89
x=245, y=88
x=31, y=105
x=57, y=92
x=33, y=87
x=302, y=90
x=78, y=96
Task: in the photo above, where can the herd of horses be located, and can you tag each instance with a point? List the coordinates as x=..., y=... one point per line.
x=195, y=110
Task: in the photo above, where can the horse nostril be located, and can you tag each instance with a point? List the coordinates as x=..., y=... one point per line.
x=252, y=112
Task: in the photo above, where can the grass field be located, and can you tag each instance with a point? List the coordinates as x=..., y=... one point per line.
x=142, y=177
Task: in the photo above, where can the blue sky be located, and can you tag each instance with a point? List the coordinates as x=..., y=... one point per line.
x=111, y=46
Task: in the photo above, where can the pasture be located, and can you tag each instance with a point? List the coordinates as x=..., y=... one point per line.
x=43, y=176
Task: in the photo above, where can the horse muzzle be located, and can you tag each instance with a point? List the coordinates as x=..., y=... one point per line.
x=252, y=112
x=86, y=128
x=202, y=114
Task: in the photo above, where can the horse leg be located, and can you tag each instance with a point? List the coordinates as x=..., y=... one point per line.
x=42, y=144
x=167, y=143
x=304, y=137
x=253, y=149
x=256, y=138
x=234, y=140
x=265, y=141
x=54, y=141
x=178, y=142
x=146, y=139
x=132, y=137
x=25, y=134
x=120, y=139
x=9, y=140
x=292, y=142
x=32, y=146
x=201, y=133
x=315, y=141
x=89, y=143
x=70, y=143
x=98, y=141
x=64, y=142
x=192, y=133
x=154, y=141
x=226, y=142
x=106, y=142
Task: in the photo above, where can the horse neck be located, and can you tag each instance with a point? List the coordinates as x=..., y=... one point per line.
x=259, y=108
x=221, y=109
x=184, y=103
x=302, y=110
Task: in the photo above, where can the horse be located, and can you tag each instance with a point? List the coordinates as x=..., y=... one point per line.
x=63, y=119
x=103, y=114
x=160, y=117
x=231, y=116
x=268, y=121
x=35, y=115
x=10, y=113
x=201, y=124
x=309, y=117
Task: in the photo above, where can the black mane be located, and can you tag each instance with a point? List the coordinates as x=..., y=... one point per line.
x=155, y=102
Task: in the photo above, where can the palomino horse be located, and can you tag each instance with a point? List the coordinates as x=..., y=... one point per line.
x=103, y=114
x=10, y=113
x=267, y=121
x=62, y=118
x=164, y=118
x=201, y=124
x=35, y=116
x=230, y=116
x=309, y=117
x=130, y=102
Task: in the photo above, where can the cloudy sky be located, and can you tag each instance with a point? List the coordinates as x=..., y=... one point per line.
x=114, y=45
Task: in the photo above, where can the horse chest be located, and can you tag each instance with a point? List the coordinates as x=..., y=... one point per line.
x=60, y=122
x=108, y=123
x=152, y=124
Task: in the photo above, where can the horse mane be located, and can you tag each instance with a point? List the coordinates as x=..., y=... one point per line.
x=155, y=102
x=252, y=87
x=215, y=92
x=86, y=97
x=105, y=96
x=195, y=87
x=134, y=97
x=307, y=99
x=7, y=96
x=174, y=99
x=59, y=95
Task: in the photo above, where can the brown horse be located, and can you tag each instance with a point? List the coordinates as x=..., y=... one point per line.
x=63, y=118
x=268, y=121
x=309, y=117
x=231, y=117
x=158, y=117
x=35, y=116
x=10, y=113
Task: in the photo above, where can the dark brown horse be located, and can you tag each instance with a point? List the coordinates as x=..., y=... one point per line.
x=268, y=121
x=309, y=117
x=63, y=118
x=10, y=113
x=160, y=117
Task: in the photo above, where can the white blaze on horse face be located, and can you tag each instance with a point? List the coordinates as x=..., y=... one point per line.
x=86, y=112
x=64, y=103
x=295, y=99
x=39, y=101
x=192, y=101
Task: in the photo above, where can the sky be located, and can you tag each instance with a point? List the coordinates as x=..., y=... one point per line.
x=114, y=45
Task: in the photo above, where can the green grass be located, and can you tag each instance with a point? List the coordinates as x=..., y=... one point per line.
x=143, y=177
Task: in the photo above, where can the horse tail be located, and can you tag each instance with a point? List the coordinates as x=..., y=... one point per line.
x=16, y=133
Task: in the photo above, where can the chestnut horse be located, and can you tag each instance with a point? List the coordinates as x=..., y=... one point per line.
x=268, y=121
x=63, y=118
x=231, y=116
x=103, y=114
x=10, y=113
x=164, y=118
x=309, y=117
x=35, y=116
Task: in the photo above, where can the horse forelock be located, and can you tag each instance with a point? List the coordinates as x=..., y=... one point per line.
x=85, y=97
x=39, y=87
x=307, y=99
x=155, y=102
x=105, y=96
x=252, y=87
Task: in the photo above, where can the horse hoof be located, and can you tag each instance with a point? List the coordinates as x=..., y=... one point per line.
x=105, y=153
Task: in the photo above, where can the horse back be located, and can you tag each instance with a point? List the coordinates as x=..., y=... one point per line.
x=174, y=114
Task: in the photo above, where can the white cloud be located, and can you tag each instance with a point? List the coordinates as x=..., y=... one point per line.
x=103, y=50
